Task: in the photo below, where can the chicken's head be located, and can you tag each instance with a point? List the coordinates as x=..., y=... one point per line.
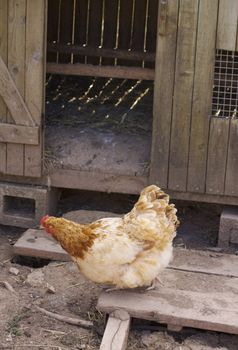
x=45, y=225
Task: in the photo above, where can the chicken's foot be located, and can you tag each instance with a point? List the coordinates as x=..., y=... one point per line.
x=153, y=284
x=108, y=290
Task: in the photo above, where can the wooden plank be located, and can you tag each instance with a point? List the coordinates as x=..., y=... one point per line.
x=207, y=262
x=163, y=96
x=215, y=311
x=217, y=155
x=231, y=184
x=16, y=66
x=35, y=72
x=19, y=134
x=116, y=332
x=3, y=55
x=227, y=25
x=13, y=99
x=202, y=98
x=95, y=27
x=39, y=244
x=101, y=52
x=93, y=181
x=101, y=71
x=183, y=93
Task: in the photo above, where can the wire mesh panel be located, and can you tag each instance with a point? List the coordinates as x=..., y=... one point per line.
x=225, y=88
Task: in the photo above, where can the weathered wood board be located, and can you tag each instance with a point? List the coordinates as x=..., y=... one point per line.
x=116, y=332
x=187, y=299
x=39, y=244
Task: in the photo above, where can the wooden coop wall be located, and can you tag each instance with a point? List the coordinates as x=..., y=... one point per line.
x=194, y=149
x=194, y=145
x=22, y=86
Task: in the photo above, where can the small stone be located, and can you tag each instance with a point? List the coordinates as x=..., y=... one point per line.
x=50, y=289
x=36, y=278
x=14, y=271
x=159, y=339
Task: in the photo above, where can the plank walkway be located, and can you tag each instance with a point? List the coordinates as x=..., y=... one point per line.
x=200, y=290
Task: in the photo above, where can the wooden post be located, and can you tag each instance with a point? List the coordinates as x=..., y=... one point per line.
x=116, y=332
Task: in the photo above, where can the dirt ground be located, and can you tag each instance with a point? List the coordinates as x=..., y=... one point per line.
x=22, y=326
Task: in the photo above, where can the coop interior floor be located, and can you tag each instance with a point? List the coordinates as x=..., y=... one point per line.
x=98, y=124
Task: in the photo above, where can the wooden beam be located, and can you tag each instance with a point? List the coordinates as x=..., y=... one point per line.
x=117, y=330
x=13, y=98
x=28, y=135
x=95, y=181
x=101, y=52
x=101, y=71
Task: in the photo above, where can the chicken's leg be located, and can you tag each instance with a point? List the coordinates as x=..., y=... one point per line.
x=153, y=284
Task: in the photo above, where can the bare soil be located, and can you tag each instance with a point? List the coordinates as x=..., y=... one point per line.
x=23, y=327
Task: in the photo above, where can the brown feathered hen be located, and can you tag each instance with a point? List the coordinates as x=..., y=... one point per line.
x=125, y=252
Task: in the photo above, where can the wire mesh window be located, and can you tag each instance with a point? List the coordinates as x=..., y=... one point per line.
x=225, y=88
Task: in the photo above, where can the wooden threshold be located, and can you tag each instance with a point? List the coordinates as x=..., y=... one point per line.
x=101, y=71
x=93, y=181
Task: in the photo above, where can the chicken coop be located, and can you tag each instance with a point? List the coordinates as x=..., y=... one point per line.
x=113, y=95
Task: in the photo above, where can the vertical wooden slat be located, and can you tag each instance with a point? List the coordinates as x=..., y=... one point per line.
x=202, y=95
x=163, y=96
x=183, y=90
x=217, y=154
x=95, y=27
x=110, y=28
x=3, y=54
x=52, y=31
x=231, y=185
x=125, y=22
x=34, y=92
x=65, y=34
x=138, y=30
x=16, y=66
x=227, y=24
x=80, y=26
x=151, y=29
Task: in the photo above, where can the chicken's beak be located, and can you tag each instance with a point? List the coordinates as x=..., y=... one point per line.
x=41, y=227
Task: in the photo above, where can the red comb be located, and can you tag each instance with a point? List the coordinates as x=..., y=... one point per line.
x=44, y=219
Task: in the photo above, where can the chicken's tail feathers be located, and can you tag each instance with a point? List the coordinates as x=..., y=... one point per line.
x=153, y=198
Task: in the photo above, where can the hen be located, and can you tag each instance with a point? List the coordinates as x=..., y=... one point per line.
x=125, y=252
